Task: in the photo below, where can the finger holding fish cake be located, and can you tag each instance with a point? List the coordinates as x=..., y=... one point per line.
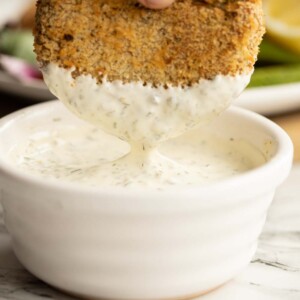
x=156, y=4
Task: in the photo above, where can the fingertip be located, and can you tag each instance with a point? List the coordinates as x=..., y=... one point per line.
x=156, y=4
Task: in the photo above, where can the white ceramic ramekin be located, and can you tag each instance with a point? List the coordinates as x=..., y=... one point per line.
x=123, y=244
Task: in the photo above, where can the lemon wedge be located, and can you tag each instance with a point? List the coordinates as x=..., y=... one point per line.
x=283, y=22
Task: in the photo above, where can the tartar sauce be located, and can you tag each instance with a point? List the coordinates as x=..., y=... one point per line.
x=80, y=153
x=143, y=114
x=140, y=121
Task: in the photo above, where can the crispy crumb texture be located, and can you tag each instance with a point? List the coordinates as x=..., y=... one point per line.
x=121, y=40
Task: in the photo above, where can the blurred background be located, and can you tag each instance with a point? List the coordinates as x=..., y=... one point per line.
x=274, y=88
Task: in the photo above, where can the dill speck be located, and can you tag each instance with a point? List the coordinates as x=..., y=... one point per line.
x=56, y=119
x=75, y=171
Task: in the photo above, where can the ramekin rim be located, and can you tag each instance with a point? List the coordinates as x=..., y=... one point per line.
x=283, y=156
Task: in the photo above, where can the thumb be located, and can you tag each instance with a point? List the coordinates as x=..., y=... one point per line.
x=156, y=4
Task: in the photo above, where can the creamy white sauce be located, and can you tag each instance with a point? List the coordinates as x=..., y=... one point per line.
x=144, y=116
x=85, y=155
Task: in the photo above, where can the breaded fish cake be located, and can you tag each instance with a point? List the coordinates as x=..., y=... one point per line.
x=176, y=46
x=147, y=75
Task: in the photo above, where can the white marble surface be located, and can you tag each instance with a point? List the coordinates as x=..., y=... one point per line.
x=274, y=273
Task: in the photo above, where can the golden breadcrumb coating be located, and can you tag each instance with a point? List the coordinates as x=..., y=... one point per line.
x=122, y=40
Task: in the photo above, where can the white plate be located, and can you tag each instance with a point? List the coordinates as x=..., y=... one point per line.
x=12, y=10
x=271, y=100
x=34, y=90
